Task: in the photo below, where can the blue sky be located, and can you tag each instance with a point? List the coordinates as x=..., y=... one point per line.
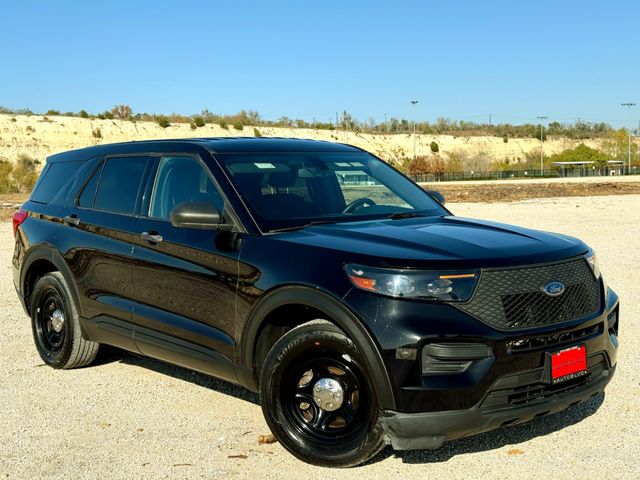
x=461, y=60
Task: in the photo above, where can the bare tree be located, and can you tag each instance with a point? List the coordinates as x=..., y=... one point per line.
x=121, y=111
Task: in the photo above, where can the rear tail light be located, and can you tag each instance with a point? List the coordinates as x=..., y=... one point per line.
x=18, y=217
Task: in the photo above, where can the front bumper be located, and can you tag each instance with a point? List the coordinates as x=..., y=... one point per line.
x=410, y=431
x=505, y=382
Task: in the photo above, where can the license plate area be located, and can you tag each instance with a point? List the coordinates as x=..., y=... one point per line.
x=568, y=364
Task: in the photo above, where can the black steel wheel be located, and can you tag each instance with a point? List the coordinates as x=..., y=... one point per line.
x=50, y=322
x=317, y=398
x=55, y=325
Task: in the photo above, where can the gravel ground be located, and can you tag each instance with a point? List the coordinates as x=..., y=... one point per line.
x=130, y=417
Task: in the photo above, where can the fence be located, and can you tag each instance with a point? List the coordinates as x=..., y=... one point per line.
x=524, y=174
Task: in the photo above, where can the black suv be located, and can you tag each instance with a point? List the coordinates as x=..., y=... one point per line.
x=352, y=300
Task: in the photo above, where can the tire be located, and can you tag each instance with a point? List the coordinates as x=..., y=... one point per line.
x=315, y=425
x=55, y=325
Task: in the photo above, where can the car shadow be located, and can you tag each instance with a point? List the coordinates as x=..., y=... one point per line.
x=491, y=440
x=111, y=355
x=500, y=437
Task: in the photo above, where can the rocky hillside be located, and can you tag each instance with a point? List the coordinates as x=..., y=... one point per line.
x=39, y=136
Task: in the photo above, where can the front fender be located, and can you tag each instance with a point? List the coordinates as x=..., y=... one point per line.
x=336, y=312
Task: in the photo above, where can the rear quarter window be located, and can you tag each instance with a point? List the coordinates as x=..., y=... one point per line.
x=52, y=179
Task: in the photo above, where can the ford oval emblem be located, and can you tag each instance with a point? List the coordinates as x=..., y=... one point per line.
x=553, y=289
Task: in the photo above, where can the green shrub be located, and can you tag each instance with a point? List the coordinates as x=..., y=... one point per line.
x=505, y=139
x=192, y=125
x=24, y=173
x=238, y=126
x=83, y=114
x=53, y=113
x=163, y=121
x=223, y=124
x=97, y=133
x=198, y=121
x=434, y=147
x=256, y=132
x=6, y=183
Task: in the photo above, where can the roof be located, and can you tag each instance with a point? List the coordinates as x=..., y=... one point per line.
x=586, y=162
x=213, y=144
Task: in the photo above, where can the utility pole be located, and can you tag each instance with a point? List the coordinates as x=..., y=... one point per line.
x=541, y=118
x=385, y=122
x=629, y=104
x=336, y=120
x=413, y=102
x=489, y=119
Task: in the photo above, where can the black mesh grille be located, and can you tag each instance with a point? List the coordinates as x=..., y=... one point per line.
x=515, y=298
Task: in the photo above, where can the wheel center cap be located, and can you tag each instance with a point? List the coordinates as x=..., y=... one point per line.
x=57, y=320
x=328, y=394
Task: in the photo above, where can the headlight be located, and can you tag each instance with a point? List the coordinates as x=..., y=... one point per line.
x=450, y=286
x=593, y=263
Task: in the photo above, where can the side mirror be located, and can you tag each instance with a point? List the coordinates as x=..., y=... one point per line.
x=197, y=215
x=437, y=196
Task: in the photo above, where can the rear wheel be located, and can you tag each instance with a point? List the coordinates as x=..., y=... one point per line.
x=317, y=397
x=55, y=325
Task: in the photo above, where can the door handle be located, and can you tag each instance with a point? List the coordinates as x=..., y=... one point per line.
x=151, y=237
x=72, y=220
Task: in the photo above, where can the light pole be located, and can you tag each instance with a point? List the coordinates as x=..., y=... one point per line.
x=629, y=104
x=413, y=102
x=541, y=118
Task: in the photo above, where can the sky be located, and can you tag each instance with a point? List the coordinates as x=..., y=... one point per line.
x=463, y=60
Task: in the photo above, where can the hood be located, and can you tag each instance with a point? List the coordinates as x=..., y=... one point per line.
x=448, y=242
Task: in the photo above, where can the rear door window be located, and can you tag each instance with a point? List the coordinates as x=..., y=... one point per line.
x=119, y=184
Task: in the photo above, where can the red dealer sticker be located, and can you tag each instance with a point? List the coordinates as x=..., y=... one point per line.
x=569, y=363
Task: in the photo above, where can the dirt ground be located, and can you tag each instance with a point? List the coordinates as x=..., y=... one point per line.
x=131, y=417
x=509, y=191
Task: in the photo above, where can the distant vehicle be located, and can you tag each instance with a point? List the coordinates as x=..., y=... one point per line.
x=363, y=316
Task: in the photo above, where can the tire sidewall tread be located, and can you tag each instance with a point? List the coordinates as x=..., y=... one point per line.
x=285, y=350
x=76, y=351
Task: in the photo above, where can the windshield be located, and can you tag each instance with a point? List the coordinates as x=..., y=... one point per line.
x=292, y=190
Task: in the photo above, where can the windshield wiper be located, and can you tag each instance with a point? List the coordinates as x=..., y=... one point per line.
x=401, y=215
x=300, y=227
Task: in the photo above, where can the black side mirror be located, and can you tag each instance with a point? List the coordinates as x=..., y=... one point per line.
x=197, y=215
x=437, y=196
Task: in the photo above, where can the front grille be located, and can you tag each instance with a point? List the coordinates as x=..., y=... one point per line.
x=511, y=392
x=545, y=341
x=531, y=393
x=515, y=298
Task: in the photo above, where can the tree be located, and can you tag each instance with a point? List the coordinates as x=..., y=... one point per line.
x=617, y=145
x=121, y=111
x=437, y=166
x=419, y=166
x=581, y=153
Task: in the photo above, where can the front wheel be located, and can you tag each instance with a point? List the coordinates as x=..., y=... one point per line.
x=317, y=397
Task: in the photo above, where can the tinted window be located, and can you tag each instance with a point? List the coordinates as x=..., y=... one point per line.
x=286, y=190
x=181, y=179
x=119, y=184
x=54, y=177
x=88, y=193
